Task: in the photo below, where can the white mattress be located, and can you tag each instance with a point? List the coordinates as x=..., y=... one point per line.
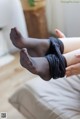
x=55, y=99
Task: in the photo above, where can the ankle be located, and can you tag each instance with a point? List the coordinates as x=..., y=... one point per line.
x=46, y=46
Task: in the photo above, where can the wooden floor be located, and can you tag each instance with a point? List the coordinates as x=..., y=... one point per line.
x=12, y=76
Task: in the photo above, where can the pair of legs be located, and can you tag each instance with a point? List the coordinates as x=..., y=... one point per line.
x=33, y=52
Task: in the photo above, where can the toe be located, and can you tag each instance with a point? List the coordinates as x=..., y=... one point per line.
x=25, y=56
x=12, y=36
x=12, y=33
x=17, y=33
x=25, y=52
x=26, y=61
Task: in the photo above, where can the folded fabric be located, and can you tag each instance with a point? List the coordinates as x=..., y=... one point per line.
x=57, y=61
x=58, y=43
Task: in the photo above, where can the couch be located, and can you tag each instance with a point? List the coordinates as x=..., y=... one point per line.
x=54, y=99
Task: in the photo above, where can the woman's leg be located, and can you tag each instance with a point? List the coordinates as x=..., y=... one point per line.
x=39, y=47
x=70, y=44
x=71, y=57
x=40, y=65
x=35, y=47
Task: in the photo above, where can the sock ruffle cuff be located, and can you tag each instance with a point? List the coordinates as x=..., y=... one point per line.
x=55, y=41
x=57, y=62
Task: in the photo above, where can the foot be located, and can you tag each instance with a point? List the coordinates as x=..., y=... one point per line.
x=17, y=39
x=35, y=47
x=35, y=65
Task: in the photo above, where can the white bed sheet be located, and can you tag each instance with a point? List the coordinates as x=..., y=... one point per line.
x=54, y=99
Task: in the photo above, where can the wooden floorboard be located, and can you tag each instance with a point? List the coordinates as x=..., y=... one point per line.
x=12, y=76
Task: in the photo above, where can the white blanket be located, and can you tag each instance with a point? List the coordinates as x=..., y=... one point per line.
x=54, y=99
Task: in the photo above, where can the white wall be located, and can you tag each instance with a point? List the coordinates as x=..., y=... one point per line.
x=64, y=16
x=72, y=19
x=54, y=15
x=16, y=20
x=11, y=15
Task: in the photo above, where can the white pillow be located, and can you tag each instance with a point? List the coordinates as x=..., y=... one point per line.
x=54, y=99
